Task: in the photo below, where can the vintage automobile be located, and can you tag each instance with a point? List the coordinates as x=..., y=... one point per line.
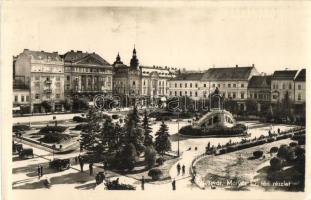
x=17, y=148
x=60, y=164
x=26, y=153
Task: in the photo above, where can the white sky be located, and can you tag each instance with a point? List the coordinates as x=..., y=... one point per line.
x=272, y=37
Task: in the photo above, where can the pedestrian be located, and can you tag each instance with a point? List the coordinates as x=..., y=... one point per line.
x=279, y=130
x=178, y=169
x=39, y=172
x=174, y=184
x=183, y=169
x=81, y=164
x=195, y=148
x=91, y=168
x=143, y=183
x=76, y=160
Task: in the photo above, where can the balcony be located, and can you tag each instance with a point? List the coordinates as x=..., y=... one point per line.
x=48, y=82
x=47, y=91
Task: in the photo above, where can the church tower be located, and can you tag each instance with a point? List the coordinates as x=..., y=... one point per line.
x=134, y=61
x=118, y=60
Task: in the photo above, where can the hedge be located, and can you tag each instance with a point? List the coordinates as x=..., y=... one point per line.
x=55, y=138
x=79, y=119
x=274, y=149
x=257, y=154
x=81, y=127
x=155, y=174
x=189, y=130
x=276, y=164
x=115, y=185
x=20, y=127
x=53, y=129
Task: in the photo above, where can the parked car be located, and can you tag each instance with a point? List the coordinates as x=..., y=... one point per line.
x=26, y=153
x=60, y=164
x=17, y=148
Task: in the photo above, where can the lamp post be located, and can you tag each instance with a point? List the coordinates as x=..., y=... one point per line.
x=178, y=133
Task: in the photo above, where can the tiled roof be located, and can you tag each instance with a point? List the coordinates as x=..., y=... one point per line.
x=42, y=55
x=75, y=56
x=301, y=75
x=260, y=82
x=188, y=76
x=284, y=75
x=229, y=73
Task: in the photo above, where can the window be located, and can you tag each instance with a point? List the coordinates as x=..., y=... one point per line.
x=134, y=83
x=37, y=78
x=68, y=78
x=180, y=85
x=242, y=85
x=299, y=87
x=191, y=93
x=171, y=93
x=234, y=95
x=67, y=87
x=57, y=96
x=144, y=82
x=218, y=85
x=175, y=85
x=37, y=96
x=58, y=78
x=213, y=85
x=185, y=85
x=191, y=85
x=180, y=93
x=196, y=94
x=242, y=95
x=229, y=94
x=48, y=78
x=186, y=93
x=23, y=98
x=283, y=86
x=299, y=97
x=27, y=98
x=255, y=95
x=290, y=86
x=175, y=93
x=229, y=85
x=234, y=85
x=204, y=85
x=16, y=98
x=57, y=84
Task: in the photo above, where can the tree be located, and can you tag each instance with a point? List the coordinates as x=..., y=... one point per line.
x=79, y=104
x=47, y=106
x=231, y=106
x=89, y=140
x=147, y=130
x=251, y=106
x=162, y=141
x=127, y=157
x=134, y=131
x=150, y=156
x=108, y=136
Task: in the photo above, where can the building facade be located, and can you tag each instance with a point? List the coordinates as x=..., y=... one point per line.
x=42, y=74
x=259, y=90
x=282, y=84
x=187, y=84
x=86, y=74
x=300, y=87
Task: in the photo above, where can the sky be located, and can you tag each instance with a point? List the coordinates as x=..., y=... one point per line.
x=273, y=36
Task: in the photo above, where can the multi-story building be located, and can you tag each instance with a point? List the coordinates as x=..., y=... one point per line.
x=86, y=74
x=42, y=74
x=139, y=82
x=282, y=83
x=186, y=84
x=300, y=87
x=259, y=90
x=231, y=81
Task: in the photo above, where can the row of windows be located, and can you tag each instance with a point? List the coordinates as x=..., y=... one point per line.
x=181, y=93
x=213, y=85
x=283, y=86
x=46, y=78
x=86, y=69
x=24, y=98
x=232, y=95
x=260, y=96
x=37, y=96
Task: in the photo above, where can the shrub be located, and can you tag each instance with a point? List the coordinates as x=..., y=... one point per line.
x=155, y=174
x=283, y=151
x=79, y=119
x=115, y=185
x=160, y=161
x=53, y=129
x=274, y=149
x=257, y=154
x=20, y=127
x=55, y=138
x=115, y=116
x=236, y=130
x=150, y=157
x=276, y=164
x=81, y=127
x=293, y=144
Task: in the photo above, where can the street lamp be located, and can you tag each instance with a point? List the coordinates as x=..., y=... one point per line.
x=178, y=132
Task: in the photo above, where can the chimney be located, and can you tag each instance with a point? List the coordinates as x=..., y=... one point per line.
x=236, y=66
x=253, y=65
x=72, y=51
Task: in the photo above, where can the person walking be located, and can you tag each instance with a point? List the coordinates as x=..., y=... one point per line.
x=143, y=183
x=174, y=184
x=91, y=168
x=41, y=170
x=183, y=169
x=178, y=169
x=81, y=164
